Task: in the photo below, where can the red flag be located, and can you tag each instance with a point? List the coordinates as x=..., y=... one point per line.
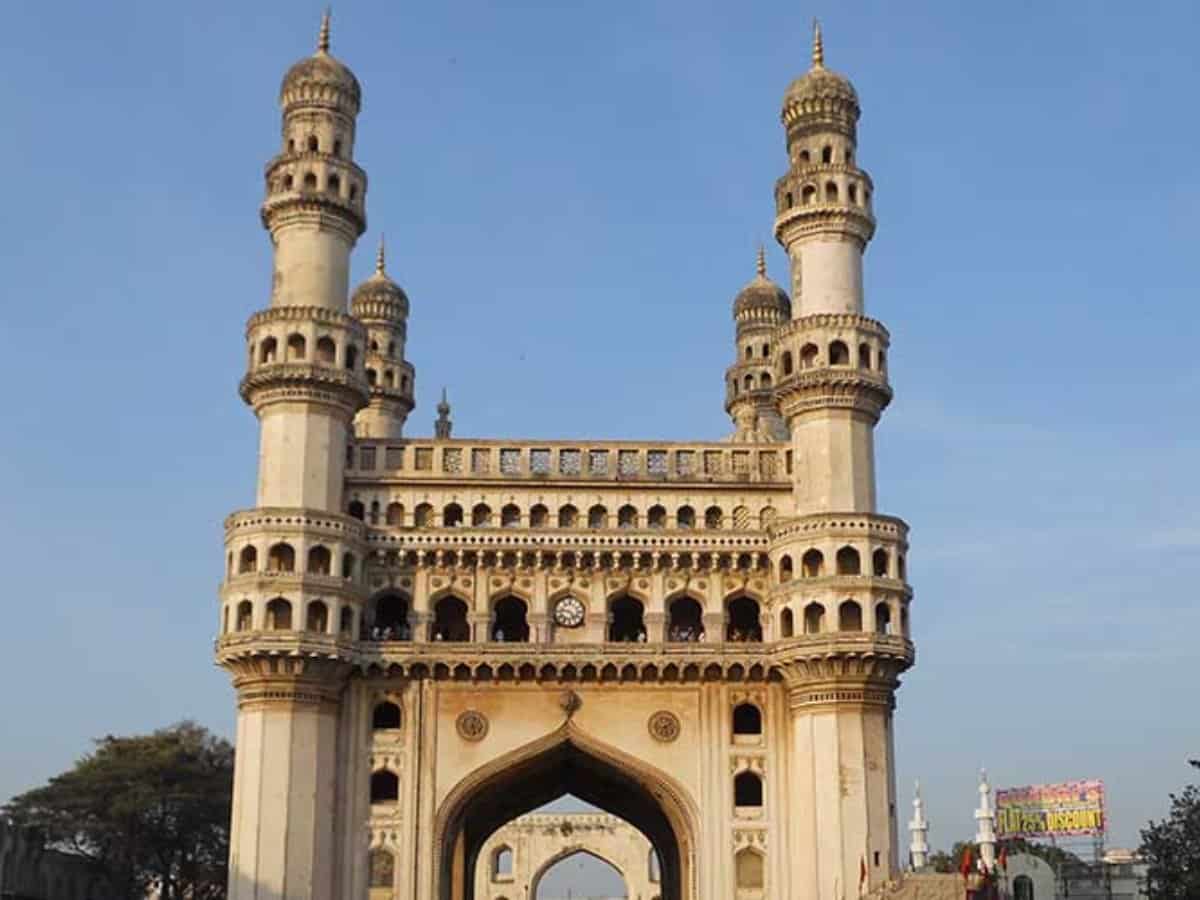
x=1004, y=858
x=964, y=867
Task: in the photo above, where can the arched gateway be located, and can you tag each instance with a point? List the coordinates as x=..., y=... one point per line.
x=431, y=636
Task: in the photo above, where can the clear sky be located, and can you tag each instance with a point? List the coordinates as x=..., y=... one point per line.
x=572, y=195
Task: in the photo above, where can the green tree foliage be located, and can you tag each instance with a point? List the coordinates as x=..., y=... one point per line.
x=147, y=811
x=1171, y=848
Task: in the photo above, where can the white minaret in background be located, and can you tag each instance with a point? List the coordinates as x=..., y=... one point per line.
x=985, y=824
x=918, y=846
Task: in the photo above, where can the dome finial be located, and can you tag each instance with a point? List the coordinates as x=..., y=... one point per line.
x=818, y=50
x=379, y=257
x=323, y=37
x=761, y=266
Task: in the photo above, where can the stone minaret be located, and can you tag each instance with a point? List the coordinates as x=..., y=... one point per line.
x=918, y=827
x=382, y=306
x=842, y=563
x=758, y=311
x=985, y=824
x=305, y=383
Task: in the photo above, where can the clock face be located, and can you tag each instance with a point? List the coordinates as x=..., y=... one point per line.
x=568, y=612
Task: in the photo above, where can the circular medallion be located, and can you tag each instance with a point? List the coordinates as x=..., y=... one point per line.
x=643, y=583
x=569, y=612
x=664, y=726
x=435, y=582
x=472, y=725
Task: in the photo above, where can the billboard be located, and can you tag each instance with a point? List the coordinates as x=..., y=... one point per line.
x=1050, y=810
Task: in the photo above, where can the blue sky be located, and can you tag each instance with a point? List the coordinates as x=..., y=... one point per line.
x=572, y=195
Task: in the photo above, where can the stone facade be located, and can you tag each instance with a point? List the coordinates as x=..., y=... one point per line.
x=430, y=636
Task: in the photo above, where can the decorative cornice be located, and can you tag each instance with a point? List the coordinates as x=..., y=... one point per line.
x=321, y=315
x=314, y=207
x=276, y=519
x=837, y=219
x=802, y=325
x=291, y=381
x=833, y=387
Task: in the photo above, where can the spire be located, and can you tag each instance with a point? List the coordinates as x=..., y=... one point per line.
x=918, y=847
x=323, y=37
x=761, y=266
x=818, y=50
x=379, y=258
x=441, y=428
x=985, y=820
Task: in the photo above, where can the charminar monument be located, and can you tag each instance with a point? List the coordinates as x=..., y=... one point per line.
x=430, y=637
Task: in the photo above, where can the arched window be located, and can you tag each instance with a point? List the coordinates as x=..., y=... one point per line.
x=337, y=148
x=508, y=621
x=901, y=569
x=785, y=568
x=539, y=516
x=266, y=352
x=385, y=787
x=788, y=201
x=626, y=620
x=879, y=563
x=357, y=510
x=351, y=357
x=685, y=622
x=395, y=513
x=749, y=869
x=766, y=350
x=787, y=362
x=883, y=618
x=827, y=154
x=391, y=618
x=320, y=561
x=389, y=378
x=656, y=516
x=853, y=191
x=749, y=352
x=747, y=790
x=481, y=515
x=568, y=516
x=864, y=356
x=502, y=864
x=812, y=564
x=317, y=618
x=764, y=380
x=808, y=356
x=245, y=616
x=850, y=616
x=831, y=192
x=627, y=517
x=313, y=144
x=848, y=562
x=450, y=620
x=685, y=517
x=597, y=517
x=510, y=516
x=741, y=621
x=374, y=512
x=1023, y=888
x=814, y=618
x=326, y=351
x=310, y=181
x=382, y=867
x=295, y=346
x=348, y=565
x=281, y=558
x=808, y=194
x=713, y=517
x=372, y=376
x=882, y=356
x=747, y=719
x=279, y=615
x=333, y=184
x=787, y=623
x=904, y=620
x=248, y=560
x=839, y=354
x=385, y=716
x=346, y=622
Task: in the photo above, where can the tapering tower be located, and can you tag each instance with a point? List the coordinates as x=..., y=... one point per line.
x=758, y=311
x=841, y=563
x=382, y=306
x=292, y=593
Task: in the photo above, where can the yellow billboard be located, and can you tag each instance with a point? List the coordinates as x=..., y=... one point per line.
x=1051, y=810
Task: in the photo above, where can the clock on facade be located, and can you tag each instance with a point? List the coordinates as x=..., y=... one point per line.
x=568, y=612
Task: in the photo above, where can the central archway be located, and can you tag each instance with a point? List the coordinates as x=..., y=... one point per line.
x=535, y=884
x=567, y=761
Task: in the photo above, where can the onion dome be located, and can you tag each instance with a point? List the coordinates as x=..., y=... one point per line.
x=320, y=73
x=379, y=297
x=820, y=91
x=762, y=297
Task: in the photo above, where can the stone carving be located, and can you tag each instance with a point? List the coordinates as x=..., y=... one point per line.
x=472, y=725
x=664, y=726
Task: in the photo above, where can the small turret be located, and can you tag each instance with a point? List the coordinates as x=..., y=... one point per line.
x=758, y=310
x=918, y=848
x=985, y=824
x=443, y=425
x=382, y=306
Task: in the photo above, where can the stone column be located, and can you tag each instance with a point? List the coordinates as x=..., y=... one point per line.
x=284, y=810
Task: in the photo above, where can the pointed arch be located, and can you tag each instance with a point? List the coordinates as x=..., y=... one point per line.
x=575, y=849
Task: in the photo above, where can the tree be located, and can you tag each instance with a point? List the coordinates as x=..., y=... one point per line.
x=148, y=811
x=1171, y=848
